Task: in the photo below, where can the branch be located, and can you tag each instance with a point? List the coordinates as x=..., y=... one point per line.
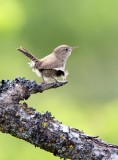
x=20, y=89
x=43, y=130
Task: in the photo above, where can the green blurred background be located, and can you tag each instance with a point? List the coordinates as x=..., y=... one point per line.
x=90, y=100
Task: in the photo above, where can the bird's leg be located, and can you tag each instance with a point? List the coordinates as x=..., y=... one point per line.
x=55, y=80
x=43, y=78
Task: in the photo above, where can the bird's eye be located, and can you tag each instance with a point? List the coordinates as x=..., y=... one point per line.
x=66, y=49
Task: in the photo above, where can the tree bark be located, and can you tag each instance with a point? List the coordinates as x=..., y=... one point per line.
x=43, y=130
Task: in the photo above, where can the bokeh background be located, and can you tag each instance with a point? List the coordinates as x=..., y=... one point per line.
x=90, y=100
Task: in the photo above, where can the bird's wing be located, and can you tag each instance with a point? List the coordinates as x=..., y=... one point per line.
x=49, y=62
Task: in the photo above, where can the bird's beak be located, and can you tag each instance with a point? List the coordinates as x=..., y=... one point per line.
x=75, y=47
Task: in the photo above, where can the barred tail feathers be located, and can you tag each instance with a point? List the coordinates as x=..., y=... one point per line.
x=28, y=54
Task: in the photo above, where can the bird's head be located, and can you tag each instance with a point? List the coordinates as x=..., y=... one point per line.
x=64, y=51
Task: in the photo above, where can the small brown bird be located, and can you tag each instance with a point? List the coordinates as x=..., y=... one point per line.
x=51, y=66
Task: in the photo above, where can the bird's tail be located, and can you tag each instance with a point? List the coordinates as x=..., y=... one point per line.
x=28, y=54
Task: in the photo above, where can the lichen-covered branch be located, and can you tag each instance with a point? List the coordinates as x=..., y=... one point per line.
x=43, y=130
x=21, y=88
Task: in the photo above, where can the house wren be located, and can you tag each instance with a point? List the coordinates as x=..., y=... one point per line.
x=51, y=66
